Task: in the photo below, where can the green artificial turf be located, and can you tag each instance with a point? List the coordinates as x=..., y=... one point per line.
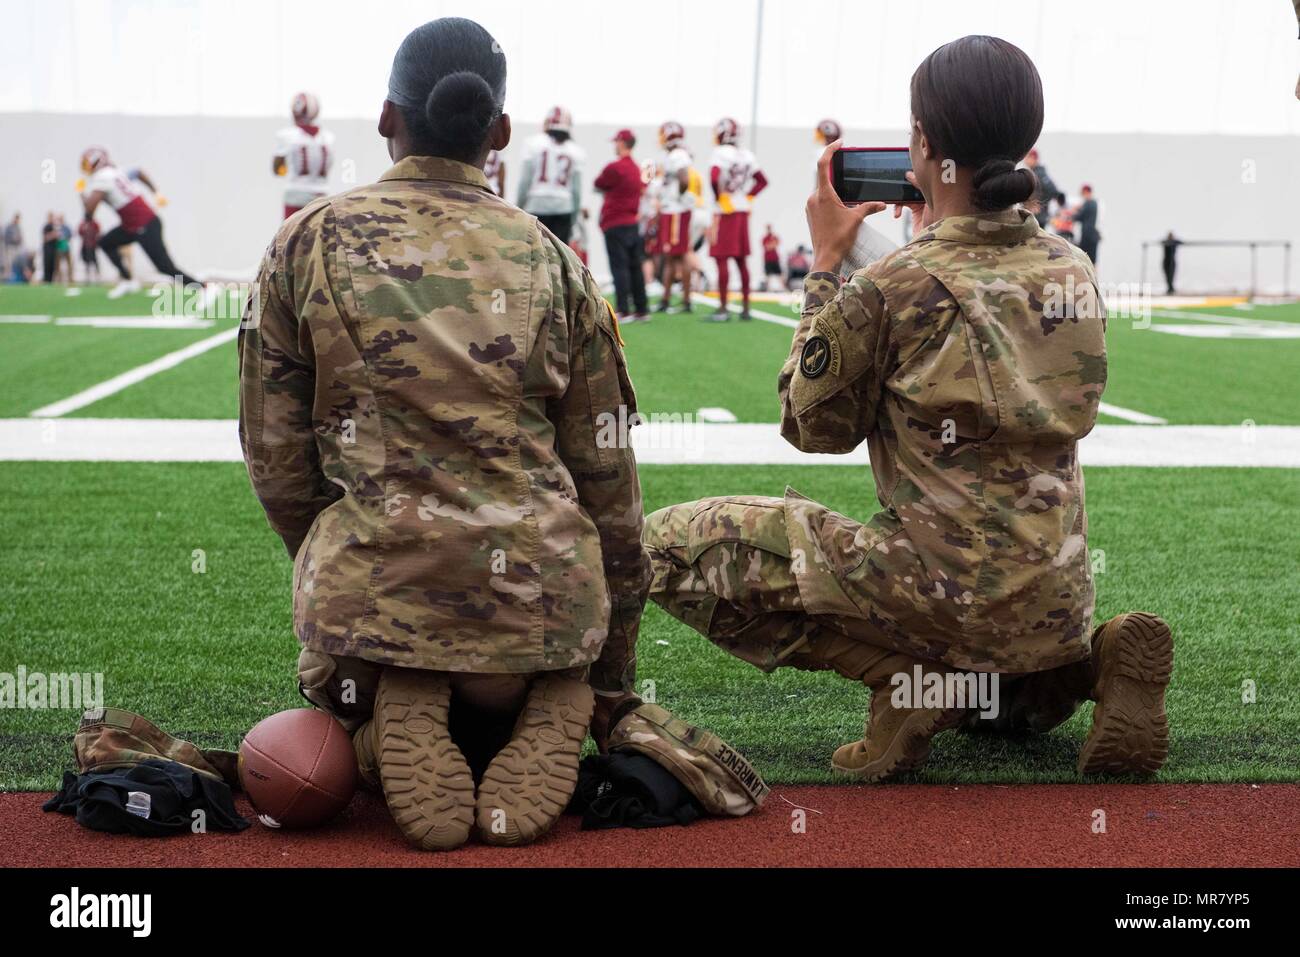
x=96, y=575
x=678, y=363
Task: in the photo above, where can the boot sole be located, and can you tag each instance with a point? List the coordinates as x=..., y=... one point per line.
x=426, y=780
x=909, y=750
x=1130, y=729
x=530, y=781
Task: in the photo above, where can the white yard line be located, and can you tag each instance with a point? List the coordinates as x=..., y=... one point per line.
x=1215, y=317
x=132, y=376
x=657, y=443
x=1128, y=415
x=756, y=313
x=137, y=322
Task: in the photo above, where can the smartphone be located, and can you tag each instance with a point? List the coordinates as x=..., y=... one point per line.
x=864, y=174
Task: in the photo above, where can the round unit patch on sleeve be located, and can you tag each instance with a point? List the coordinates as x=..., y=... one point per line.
x=816, y=357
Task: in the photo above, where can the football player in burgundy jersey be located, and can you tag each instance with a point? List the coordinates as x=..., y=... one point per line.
x=139, y=222
x=303, y=155
x=736, y=180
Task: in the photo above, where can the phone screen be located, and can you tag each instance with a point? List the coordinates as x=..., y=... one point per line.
x=871, y=174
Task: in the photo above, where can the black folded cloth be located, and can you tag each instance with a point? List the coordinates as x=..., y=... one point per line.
x=99, y=800
x=626, y=789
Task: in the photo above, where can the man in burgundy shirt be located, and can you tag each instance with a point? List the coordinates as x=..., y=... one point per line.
x=621, y=184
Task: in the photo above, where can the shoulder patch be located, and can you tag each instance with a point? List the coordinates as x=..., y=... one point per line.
x=816, y=357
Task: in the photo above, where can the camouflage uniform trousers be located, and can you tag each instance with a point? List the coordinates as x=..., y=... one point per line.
x=723, y=566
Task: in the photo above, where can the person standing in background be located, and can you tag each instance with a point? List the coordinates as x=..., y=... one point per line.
x=797, y=267
x=1170, y=264
x=652, y=187
x=49, y=248
x=303, y=155
x=550, y=186
x=771, y=258
x=1063, y=219
x=1086, y=217
x=13, y=241
x=1046, y=188
x=63, y=250
x=620, y=184
x=736, y=180
x=677, y=195
x=89, y=232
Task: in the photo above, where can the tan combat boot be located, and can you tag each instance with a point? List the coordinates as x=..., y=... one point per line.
x=896, y=739
x=530, y=781
x=425, y=778
x=363, y=746
x=1133, y=658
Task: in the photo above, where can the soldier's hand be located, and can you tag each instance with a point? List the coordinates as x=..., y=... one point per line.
x=833, y=226
x=610, y=708
x=922, y=214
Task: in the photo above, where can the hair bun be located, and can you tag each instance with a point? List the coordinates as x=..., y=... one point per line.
x=999, y=184
x=461, y=108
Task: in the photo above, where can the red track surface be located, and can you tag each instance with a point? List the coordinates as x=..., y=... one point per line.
x=903, y=826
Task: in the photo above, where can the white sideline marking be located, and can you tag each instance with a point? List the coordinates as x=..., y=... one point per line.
x=116, y=322
x=1119, y=412
x=1283, y=330
x=657, y=443
x=756, y=313
x=714, y=413
x=136, y=322
x=1215, y=317
x=132, y=376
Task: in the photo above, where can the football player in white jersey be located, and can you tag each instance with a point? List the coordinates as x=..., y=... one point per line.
x=494, y=168
x=550, y=186
x=105, y=183
x=304, y=154
x=677, y=196
x=736, y=180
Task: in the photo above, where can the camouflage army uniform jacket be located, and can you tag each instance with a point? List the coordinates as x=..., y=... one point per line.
x=423, y=375
x=972, y=361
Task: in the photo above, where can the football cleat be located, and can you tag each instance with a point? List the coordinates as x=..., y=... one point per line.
x=124, y=287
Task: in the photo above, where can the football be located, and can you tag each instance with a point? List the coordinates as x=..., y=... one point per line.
x=298, y=768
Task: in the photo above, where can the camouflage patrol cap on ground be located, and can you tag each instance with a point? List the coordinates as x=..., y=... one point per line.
x=718, y=775
x=112, y=738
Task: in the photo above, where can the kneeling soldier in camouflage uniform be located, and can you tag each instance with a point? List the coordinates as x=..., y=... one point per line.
x=972, y=387
x=424, y=371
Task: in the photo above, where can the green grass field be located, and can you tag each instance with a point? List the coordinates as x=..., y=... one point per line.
x=96, y=558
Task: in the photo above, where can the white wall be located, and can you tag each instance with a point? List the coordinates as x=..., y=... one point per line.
x=1161, y=66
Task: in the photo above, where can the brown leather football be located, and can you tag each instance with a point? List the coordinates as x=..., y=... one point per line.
x=298, y=768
